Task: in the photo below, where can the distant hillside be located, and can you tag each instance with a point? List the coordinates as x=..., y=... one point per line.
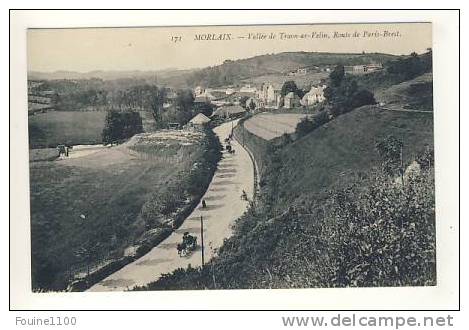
x=107, y=75
x=414, y=94
x=231, y=72
x=396, y=71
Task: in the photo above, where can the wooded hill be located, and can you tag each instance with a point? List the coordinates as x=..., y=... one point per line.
x=231, y=72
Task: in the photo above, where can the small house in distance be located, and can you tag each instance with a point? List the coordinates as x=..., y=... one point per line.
x=199, y=120
x=229, y=111
x=291, y=101
x=315, y=95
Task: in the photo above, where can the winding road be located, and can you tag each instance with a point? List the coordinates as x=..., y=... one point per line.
x=234, y=174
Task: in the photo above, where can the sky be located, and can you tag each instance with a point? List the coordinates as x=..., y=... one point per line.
x=158, y=48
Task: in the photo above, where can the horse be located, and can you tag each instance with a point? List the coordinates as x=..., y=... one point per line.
x=181, y=247
x=189, y=244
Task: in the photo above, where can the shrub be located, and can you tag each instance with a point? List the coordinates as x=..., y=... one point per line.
x=390, y=151
x=121, y=126
x=361, y=98
x=304, y=127
x=307, y=125
x=383, y=235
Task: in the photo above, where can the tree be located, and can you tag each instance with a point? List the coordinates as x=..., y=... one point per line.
x=112, y=127
x=202, y=107
x=121, y=125
x=242, y=101
x=158, y=97
x=289, y=86
x=362, y=97
x=252, y=105
x=184, y=100
x=390, y=151
x=304, y=127
x=337, y=75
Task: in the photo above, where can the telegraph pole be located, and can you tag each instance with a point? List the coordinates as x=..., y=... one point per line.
x=242, y=129
x=402, y=165
x=202, y=239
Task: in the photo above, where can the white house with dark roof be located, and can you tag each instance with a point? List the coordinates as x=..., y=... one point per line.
x=315, y=95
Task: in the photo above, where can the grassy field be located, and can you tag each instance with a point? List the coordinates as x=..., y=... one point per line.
x=65, y=127
x=87, y=210
x=270, y=126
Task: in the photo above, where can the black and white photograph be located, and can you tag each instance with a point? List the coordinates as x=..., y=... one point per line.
x=231, y=157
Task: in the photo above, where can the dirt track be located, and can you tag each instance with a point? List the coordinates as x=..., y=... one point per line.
x=235, y=173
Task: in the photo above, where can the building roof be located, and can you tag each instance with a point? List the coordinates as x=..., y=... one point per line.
x=201, y=99
x=229, y=110
x=275, y=85
x=200, y=119
x=216, y=95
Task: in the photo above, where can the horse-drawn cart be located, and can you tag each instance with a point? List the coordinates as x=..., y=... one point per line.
x=188, y=245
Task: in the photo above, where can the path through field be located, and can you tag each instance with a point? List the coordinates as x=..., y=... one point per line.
x=234, y=174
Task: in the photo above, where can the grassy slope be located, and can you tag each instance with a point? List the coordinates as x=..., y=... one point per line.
x=109, y=196
x=70, y=127
x=324, y=158
x=59, y=127
x=403, y=95
x=301, y=174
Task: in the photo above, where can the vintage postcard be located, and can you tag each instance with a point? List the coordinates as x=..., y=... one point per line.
x=231, y=157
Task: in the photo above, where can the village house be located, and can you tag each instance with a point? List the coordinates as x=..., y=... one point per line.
x=298, y=72
x=230, y=91
x=202, y=99
x=270, y=94
x=199, y=90
x=211, y=96
x=248, y=89
x=199, y=120
x=374, y=67
x=291, y=100
x=315, y=95
x=363, y=68
x=229, y=111
x=170, y=98
x=258, y=104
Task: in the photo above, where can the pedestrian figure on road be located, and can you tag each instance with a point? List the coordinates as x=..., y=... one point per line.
x=204, y=205
x=61, y=149
x=244, y=196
